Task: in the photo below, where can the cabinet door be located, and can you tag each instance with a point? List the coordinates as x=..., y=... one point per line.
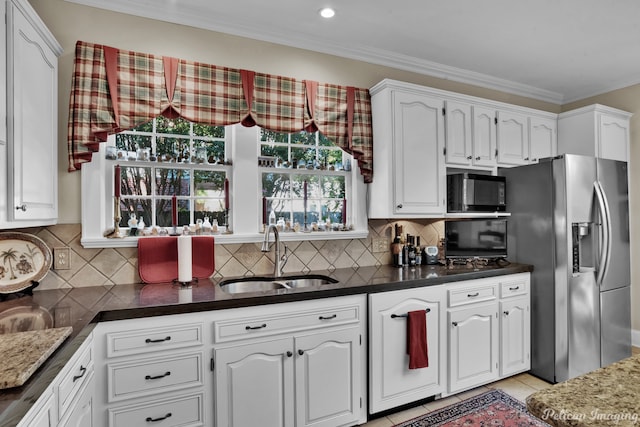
x=512, y=139
x=391, y=382
x=473, y=346
x=613, y=138
x=32, y=98
x=542, y=138
x=515, y=344
x=419, y=177
x=42, y=414
x=254, y=384
x=328, y=378
x=81, y=412
x=458, y=134
x=484, y=136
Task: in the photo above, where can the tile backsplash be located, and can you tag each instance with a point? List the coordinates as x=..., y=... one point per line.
x=115, y=266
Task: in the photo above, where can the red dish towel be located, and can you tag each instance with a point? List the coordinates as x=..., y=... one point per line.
x=417, y=339
x=158, y=258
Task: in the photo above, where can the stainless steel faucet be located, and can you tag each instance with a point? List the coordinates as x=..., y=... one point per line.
x=280, y=261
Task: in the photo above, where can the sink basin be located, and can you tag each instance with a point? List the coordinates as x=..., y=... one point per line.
x=264, y=284
x=310, y=280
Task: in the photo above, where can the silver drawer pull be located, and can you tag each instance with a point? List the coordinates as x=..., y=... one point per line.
x=22, y=208
x=153, y=420
x=149, y=340
x=515, y=288
x=83, y=371
x=264, y=325
x=157, y=377
x=473, y=295
x=454, y=323
x=506, y=313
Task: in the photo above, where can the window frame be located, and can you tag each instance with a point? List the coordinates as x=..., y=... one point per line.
x=97, y=203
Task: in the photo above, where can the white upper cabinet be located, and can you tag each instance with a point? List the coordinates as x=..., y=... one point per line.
x=30, y=149
x=543, y=140
x=419, y=132
x=512, y=138
x=408, y=134
x=484, y=136
x=595, y=130
x=458, y=140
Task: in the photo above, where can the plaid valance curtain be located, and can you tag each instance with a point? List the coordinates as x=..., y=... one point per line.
x=114, y=90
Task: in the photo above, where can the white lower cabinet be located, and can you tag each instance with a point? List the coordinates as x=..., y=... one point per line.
x=68, y=401
x=515, y=325
x=489, y=326
x=473, y=346
x=391, y=382
x=151, y=371
x=81, y=415
x=299, y=364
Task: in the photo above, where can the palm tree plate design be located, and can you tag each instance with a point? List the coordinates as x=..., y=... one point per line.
x=24, y=259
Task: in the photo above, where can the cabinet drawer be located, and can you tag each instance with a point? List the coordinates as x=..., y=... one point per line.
x=74, y=378
x=150, y=376
x=514, y=288
x=176, y=411
x=472, y=294
x=249, y=327
x=153, y=339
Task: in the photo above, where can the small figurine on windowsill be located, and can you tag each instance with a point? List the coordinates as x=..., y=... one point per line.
x=133, y=225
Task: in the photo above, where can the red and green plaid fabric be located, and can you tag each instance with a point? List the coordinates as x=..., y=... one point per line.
x=205, y=94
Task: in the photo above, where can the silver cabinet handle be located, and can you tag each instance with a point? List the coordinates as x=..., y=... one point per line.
x=473, y=295
x=22, y=208
x=506, y=313
x=515, y=288
x=478, y=158
x=399, y=206
x=454, y=323
x=469, y=157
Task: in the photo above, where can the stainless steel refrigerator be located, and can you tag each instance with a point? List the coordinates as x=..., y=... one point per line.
x=570, y=220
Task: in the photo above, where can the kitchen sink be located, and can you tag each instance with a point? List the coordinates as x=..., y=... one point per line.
x=265, y=284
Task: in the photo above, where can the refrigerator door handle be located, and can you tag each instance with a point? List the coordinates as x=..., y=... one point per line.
x=605, y=245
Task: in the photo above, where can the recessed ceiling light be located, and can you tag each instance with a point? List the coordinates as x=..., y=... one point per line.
x=327, y=12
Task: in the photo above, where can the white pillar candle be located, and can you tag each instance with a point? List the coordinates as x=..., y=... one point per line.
x=184, y=259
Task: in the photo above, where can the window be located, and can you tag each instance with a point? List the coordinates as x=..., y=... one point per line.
x=172, y=157
x=166, y=157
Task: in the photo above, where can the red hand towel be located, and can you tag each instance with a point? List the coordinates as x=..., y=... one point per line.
x=417, y=339
x=158, y=258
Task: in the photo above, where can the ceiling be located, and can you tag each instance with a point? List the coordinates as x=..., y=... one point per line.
x=557, y=51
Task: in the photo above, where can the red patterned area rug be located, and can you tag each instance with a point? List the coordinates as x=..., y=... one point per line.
x=493, y=408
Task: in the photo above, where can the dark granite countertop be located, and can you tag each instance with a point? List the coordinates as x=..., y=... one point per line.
x=82, y=308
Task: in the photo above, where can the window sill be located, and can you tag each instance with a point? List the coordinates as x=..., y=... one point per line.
x=132, y=242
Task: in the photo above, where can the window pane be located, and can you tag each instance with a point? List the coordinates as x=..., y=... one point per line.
x=270, y=136
x=132, y=141
x=210, y=131
x=136, y=181
x=324, y=141
x=211, y=208
x=304, y=158
x=172, y=181
x=163, y=212
x=333, y=187
x=209, y=183
x=209, y=151
x=277, y=151
x=276, y=185
x=135, y=209
x=176, y=126
x=305, y=138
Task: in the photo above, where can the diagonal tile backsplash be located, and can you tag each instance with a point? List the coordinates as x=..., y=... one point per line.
x=115, y=266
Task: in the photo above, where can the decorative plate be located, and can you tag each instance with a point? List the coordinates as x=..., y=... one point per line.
x=24, y=258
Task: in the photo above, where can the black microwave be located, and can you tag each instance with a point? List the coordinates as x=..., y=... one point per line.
x=468, y=192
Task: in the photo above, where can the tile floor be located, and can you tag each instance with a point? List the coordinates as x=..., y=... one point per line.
x=519, y=386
